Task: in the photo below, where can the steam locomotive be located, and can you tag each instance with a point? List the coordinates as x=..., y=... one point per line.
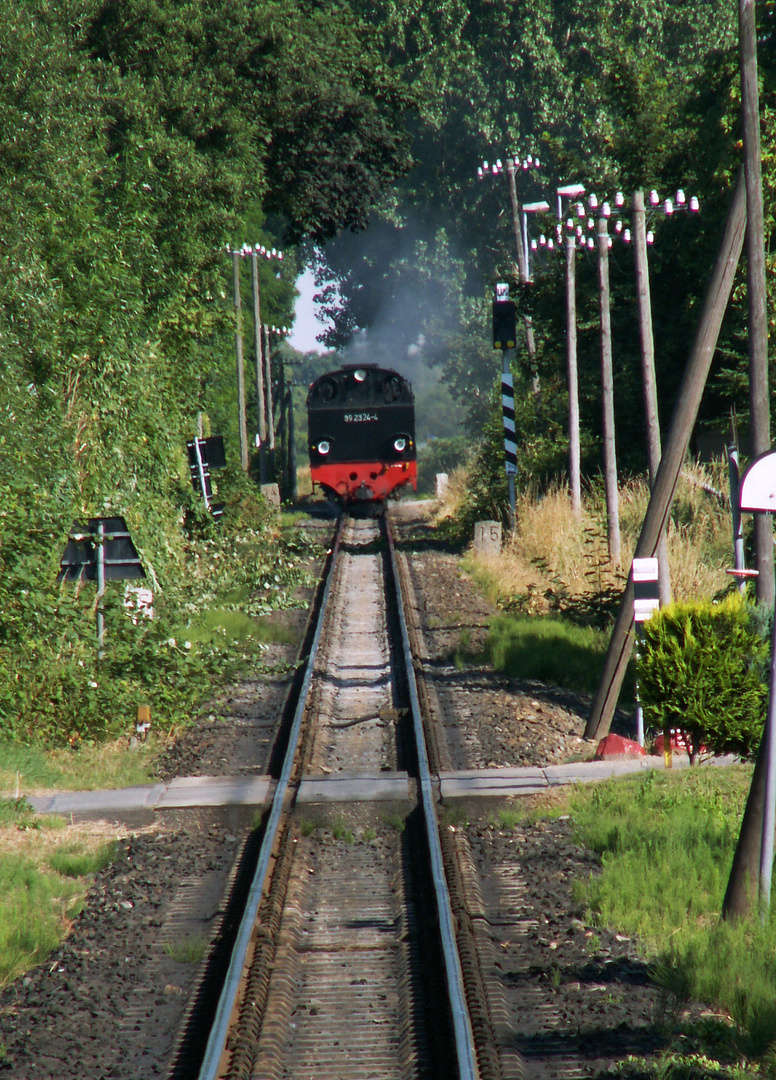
x=361, y=433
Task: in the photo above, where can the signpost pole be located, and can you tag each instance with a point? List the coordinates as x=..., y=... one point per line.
x=757, y=494
x=100, y=585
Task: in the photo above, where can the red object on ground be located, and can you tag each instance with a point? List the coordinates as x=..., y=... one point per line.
x=615, y=746
x=678, y=743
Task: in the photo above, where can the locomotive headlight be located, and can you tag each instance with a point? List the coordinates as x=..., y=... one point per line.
x=400, y=445
x=359, y=375
x=324, y=446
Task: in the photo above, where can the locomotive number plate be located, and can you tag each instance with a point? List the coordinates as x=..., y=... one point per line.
x=359, y=417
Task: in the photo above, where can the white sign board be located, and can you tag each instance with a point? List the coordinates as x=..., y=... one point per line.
x=758, y=486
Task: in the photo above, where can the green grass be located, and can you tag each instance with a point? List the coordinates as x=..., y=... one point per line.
x=666, y=843
x=186, y=951
x=73, y=861
x=39, y=892
x=550, y=649
x=89, y=767
x=226, y=625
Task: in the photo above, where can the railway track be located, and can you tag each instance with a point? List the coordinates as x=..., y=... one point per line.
x=351, y=956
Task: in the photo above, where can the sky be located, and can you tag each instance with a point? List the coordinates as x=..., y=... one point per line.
x=306, y=326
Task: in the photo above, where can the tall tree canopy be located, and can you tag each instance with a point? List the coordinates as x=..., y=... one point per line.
x=604, y=93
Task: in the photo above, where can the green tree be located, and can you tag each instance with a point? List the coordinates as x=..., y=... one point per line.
x=701, y=668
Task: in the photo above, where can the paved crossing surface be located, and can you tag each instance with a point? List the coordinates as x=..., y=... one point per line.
x=202, y=791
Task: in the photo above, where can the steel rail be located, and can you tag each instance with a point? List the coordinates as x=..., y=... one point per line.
x=464, y=1037
x=221, y=1023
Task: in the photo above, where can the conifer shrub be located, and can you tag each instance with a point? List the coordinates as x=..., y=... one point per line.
x=701, y=670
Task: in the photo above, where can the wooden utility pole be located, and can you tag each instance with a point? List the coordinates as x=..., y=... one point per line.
x=268, y=397
x=572, y=371
x=648, y=376
x=522, y=270
x=259, y=360
x=741, y=895
x=759, y=411
x=682, y=423
x=238, y=346
x=607, y=399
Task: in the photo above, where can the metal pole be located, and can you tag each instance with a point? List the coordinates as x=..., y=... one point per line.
x=238, y=345
x=201, y=473
x=573, y=377
x=735, y=510
x=769, y=801
x=100, y=585
x=607, y=399
x=759, y=411
x=262, y=423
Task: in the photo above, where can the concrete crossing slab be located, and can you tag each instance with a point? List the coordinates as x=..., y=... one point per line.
x=203, y=791
x=355, y=787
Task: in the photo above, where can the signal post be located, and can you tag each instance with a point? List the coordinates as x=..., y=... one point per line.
x=504, y=338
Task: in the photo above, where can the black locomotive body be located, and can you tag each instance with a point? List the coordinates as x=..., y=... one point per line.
x=361, y=433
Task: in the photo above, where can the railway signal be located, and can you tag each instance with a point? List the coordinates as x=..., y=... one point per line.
x=504, y=324
x=102, y=550
x=204, y=455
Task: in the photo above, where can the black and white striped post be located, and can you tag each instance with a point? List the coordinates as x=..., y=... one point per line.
x=646, y=601
x=504, y=335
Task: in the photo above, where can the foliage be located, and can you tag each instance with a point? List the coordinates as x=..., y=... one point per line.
x=439, y=456
x=136, y=140
x=608, y=94
x=666, y=844
x=701, y=671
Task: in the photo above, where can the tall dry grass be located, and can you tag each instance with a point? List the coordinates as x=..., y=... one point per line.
x=554, y=556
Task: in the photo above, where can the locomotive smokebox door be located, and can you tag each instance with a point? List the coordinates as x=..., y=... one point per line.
x=504, y=324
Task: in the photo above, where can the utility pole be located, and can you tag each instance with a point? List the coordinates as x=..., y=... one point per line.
x=522, y=270
x=238, y=346
x=746, y=871
x=520, y=249
x=755, y=287
x=572, y=370
x=685, y=414
x=293, y=489
x=575, y=471
x=648, y=375
x=259, y=360
x=268, y=398
x=607, y=398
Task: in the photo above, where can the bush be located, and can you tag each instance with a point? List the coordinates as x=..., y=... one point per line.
x=701, y=670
